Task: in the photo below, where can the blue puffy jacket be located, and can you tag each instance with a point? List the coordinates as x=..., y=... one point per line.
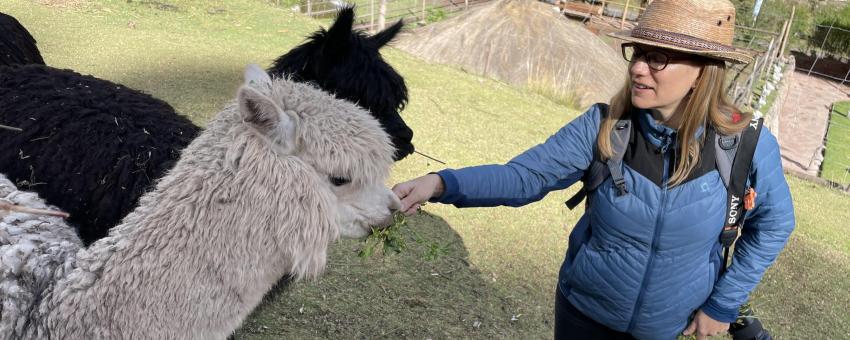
x=644, y=262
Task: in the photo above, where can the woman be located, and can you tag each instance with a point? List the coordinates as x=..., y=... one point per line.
x=646, y=263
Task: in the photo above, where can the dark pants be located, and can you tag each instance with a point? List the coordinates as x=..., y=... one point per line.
x=570, y=323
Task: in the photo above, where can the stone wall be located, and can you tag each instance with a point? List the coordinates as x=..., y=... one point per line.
x=772, y=116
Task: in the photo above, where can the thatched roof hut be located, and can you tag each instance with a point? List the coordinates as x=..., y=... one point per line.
x=524, y=43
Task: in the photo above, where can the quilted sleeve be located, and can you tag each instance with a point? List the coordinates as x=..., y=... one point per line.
x=556, y=164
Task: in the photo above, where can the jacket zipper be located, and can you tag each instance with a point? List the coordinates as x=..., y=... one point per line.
x=654, y=243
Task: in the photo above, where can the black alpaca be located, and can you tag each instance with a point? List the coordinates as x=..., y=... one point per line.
x=17, y=46
x=348, y=63
x=92, y=147
x=87, y=145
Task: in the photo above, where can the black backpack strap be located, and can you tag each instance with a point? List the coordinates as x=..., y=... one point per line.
x=599, y=170
x=593, y=177
x=574, y=201
x=737, y=175
x=619, y=144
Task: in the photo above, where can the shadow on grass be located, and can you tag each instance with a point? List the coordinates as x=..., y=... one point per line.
x=198, y=91
x=804, y=295
x=403, y=295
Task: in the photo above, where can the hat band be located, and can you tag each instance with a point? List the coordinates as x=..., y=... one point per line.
x=679, y=40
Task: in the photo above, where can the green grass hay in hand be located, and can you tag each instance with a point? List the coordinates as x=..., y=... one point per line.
x=388, y=239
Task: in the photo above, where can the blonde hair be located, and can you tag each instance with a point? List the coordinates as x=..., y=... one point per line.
x=707, y=104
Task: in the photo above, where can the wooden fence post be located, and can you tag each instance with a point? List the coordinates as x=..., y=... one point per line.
x=768, y=58
x=372, y=16
x=602, y=11
x=423, y=10
x=625, y=13
x=782, y=38
x=734, y=83
x=382, y=15
x=787, y=33
x=748, y=86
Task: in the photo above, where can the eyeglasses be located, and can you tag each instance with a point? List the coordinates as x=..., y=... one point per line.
x=656, y=59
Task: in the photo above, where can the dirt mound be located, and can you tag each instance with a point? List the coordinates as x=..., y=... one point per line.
x=524, y=43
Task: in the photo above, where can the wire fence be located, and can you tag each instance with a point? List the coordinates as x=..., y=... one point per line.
x=375, y=15
x=746, y=80
x=836, y=147
x=818, y=61
x=826, y=66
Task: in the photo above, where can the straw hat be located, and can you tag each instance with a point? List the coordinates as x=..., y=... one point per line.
x=701, y=27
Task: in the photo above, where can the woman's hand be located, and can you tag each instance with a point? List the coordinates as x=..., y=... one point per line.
x=416, y=192
x=704, y=326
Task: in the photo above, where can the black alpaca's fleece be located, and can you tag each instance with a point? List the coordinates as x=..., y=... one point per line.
x=17, y=46
x=89, y=146
x=348, y=64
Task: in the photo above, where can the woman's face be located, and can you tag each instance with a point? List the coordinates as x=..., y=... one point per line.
x=661, y=78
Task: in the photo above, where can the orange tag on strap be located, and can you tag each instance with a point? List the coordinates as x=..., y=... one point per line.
x=750, y=199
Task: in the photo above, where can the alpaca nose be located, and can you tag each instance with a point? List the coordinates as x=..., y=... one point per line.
x=401, y=136
x=402, y=149
x=395, y=203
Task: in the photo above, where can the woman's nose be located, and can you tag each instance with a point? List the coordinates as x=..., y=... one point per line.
x=639, y=66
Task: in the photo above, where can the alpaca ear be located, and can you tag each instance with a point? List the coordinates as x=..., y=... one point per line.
x=257, y=78
x=263, y=114
x=384, y=37
x=340, y=31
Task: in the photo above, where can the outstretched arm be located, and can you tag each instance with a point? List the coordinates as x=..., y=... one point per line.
x=556, y=164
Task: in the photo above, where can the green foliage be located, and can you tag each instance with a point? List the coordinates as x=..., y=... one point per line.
x=436, y=250
x=830, y=40
x=837, y=14
x=805, y=34
x=391, y=240
x=388, y=240
x=434, y=15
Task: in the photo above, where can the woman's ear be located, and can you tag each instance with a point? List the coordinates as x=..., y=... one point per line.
x=699, y=78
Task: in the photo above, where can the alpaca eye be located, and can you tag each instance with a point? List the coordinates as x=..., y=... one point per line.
x=339, y=181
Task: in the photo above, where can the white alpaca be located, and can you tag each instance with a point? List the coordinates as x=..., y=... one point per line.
x=35, y=252
x=259, y=194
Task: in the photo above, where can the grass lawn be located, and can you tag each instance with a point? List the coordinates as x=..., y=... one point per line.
x=836, y=161
x=496, y=270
